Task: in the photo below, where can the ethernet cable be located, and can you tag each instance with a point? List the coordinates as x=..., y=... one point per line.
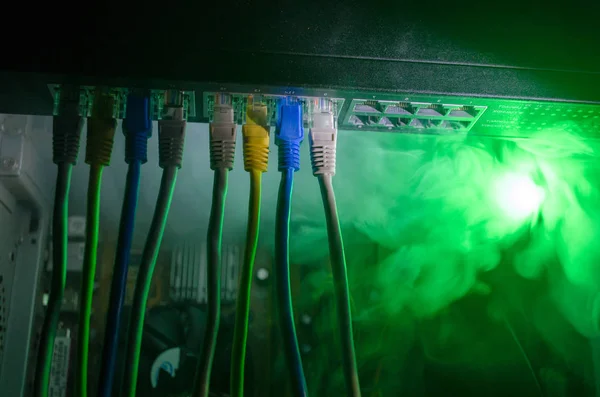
x=171, y=139
x=222, y=153
x=288, y=137
x=323, y=141
x=256, y=157
x=100, y=136
x=66, y=133
x=137, y=128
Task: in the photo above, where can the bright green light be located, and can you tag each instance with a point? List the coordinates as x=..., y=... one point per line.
x=518, y=195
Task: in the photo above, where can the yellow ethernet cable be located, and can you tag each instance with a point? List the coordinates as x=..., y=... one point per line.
x=101, y=128
x=256, y=156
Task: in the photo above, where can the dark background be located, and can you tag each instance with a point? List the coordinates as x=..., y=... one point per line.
x=525, y=49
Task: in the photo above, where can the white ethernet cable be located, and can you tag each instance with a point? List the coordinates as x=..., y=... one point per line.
x=222, y=132
x=323, y=142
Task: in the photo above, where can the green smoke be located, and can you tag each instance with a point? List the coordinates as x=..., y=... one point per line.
x=453, y=203
x=447, y=208
x=447, y=215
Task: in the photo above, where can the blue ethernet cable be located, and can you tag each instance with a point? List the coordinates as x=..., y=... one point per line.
x=137, y=128
x=288, y=137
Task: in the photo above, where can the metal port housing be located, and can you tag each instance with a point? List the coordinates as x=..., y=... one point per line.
x=418, y=117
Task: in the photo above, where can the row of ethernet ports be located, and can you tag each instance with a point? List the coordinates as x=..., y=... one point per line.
x=410, y=109
x=407, y=123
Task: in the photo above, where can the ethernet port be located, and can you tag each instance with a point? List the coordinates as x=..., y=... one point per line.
x=386, y=122
x=355, y=120
x=368, y=107
x=400, y=109
x=467, y=112
x=433, y=110
x=418, y=124
x=364, y=120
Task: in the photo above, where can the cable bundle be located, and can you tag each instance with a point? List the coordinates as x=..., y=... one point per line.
x=171, y=138
x=289, y=136
x=137, y=128
x=66, y=134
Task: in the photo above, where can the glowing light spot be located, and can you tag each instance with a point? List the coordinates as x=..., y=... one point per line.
x=518, y=195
